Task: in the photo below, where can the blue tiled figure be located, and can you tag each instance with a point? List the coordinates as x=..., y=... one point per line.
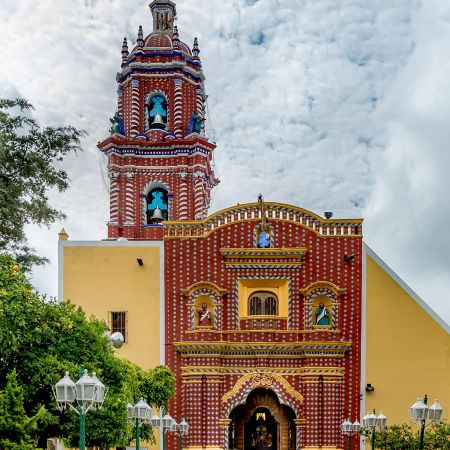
x=157, y=202
x=158, y=108
x=264, y=239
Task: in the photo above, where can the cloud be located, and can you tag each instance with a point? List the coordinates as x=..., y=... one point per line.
x=336, y=106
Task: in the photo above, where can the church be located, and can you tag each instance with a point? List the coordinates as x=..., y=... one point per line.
x=278, y=323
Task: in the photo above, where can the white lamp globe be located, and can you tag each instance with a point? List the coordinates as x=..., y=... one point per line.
x=65, y=391
x=435, y=411
x=85, y=389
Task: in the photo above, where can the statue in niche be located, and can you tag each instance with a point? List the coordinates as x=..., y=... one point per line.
x=261, y=439
x=322, y=315
x=204, y=316
x=117, y=126
x=263, y=239
x=195, y=123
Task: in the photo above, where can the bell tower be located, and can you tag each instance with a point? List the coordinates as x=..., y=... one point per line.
x=159, y=160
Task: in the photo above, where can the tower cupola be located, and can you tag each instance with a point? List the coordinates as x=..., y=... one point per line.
x=164, y=13
x=160, y=159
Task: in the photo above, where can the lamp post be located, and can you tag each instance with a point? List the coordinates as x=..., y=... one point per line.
x=138, y=415
x=87, y=393
x=184, y=428
x=167, y=423
x=420, y=412
x=163, y=424
x=371, y=422
x=348, y=428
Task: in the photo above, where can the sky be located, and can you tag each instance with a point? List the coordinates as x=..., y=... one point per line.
x=330, y=105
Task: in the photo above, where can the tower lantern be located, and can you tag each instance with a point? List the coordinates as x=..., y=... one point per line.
x=164, y=13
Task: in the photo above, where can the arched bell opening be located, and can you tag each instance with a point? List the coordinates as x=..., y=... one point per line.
x=262, y=423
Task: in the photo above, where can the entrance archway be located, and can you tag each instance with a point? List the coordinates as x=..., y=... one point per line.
x=262, y=423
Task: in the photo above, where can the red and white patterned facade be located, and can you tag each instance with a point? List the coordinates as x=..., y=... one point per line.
x=173, y=158
x=312, y=372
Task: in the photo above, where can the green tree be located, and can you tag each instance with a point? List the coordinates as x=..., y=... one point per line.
x=29, y=156
x=42, y=339
x=407, y=437
x=16, y=428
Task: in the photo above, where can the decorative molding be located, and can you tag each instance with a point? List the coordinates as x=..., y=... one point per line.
x=223, y=349
x=204, y=285
x=262, y=380
x=236, y=258
x=338, y=291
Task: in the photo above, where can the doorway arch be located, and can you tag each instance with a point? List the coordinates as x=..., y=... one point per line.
x=262, y=423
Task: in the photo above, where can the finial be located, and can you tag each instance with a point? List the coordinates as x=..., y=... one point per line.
x=261, y=207
x=195, y=50
x=176, y=38
x=63, y=236
x=125, y=49
x=140, y=39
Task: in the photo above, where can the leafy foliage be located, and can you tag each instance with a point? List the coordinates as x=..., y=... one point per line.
x=16, y=428
x=28, y=158
x=42, y=339
x=407, y=437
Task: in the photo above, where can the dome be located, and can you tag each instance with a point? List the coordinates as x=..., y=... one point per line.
x=158, y=40
x=164, y=41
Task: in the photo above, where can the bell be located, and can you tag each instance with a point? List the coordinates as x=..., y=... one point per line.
x=157, y=215
x=158, y=122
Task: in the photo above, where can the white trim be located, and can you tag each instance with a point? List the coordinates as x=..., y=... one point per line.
x=363, y=354
x=61, y=270
x=160, y=244
x=114, y=243
x=408, y=290
x=162, y=307
x=155, y=184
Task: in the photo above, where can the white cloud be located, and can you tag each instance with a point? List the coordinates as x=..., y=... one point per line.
x=328, y=105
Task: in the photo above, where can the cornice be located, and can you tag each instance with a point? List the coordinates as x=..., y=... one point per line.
x=309, y=349
x=236, y=258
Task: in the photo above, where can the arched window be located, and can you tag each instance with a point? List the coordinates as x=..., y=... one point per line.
x=157, y=111
x=157, y=205
x=263, y=304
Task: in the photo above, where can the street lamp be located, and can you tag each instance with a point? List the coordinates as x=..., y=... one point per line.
x=138, y=415
x=184, y=428
x=88, y=393
x=371, y=422
x=348, y=428
x=163, y=424
x=420, y=411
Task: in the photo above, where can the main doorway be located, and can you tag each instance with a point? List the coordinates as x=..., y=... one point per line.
x=262, y=423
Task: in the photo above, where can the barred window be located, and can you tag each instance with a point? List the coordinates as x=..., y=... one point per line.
x=263, y=304
x=118, y=323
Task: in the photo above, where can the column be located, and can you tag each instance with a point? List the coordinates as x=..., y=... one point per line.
x=129, y=199
x=114, y=198
x=200, y=108
x=199, y=201
x=183, y=197
x=178, y=108
x=134, y=130
x=225, y=426
x=120, y=101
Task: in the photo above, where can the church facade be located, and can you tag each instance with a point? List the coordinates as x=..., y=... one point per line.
x=260, y=309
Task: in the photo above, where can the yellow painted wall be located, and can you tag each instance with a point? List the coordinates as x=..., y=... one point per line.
x=108, y=278
x=408, y=351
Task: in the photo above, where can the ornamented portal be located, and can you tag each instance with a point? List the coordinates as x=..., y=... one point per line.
x=262, y=423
